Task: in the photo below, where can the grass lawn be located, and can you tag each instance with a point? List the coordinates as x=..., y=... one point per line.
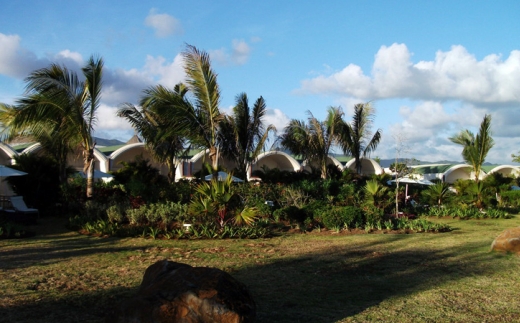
x=62, y=276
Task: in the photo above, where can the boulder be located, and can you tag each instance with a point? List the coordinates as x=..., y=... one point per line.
x=508, y=241
x=175, y=292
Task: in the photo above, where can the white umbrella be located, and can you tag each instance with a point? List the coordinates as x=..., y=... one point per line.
x=221, y=176
x=408, y=180
x=97, y=174
x=8, y=172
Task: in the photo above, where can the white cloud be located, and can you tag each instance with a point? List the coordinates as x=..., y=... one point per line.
x=277, y=118
x=166, y=73
x=453, y=75
x=164, y=24
x=127, y=85
x=108, y=120
x=15, y=61
x=68, y=56
x=124, y=85
x=239, y=54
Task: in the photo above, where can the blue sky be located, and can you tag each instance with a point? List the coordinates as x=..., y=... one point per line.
x=430, y=68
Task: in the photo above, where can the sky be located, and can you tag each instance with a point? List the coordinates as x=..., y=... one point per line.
x=429, y=68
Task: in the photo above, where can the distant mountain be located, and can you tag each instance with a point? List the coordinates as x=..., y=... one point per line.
x=107, y=142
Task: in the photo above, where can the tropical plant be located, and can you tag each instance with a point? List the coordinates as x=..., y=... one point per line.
x=200, y=119
x=59, y=106
x=165, y=141
x=217, y=199
x=438, y=193
x=476, y=148
x=480, y=194
x=314, y=140
x=376, y=194
x=356, y=138
x=243, y=134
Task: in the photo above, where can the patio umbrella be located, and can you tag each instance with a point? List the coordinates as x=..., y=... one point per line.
x=8, y=172
x=223, y=176
x=407, y=180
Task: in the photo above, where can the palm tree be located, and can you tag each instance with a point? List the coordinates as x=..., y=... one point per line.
x=475, y=149
x=376, y=194
x=162, y=138
x=57, y=105
x=202, y=117
x=243, y=135
x=438, y=192
x=48, y=136
x=356, y=138
x=313, y=140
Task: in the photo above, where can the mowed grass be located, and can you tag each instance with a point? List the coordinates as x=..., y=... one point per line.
x=62, y=276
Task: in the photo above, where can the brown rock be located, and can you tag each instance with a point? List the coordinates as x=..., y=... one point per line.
x=174, y=292
x=508, y=241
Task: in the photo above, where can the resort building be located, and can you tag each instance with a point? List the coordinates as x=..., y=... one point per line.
x=110, y=158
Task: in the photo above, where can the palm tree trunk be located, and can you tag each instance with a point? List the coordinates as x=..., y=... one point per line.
x=88, y=169
x=171, y=170
x=213, y=157
x=324, y=169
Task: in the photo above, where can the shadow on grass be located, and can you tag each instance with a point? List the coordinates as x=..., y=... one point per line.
x=326, y=285
x=330, y=286
x=51, y=242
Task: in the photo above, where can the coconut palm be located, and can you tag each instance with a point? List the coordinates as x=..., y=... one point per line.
x=314, y=140
x=243, y=134
x=48, y=136
x=356, y=137
x=202, y=117
x=59, y=106
x=476, y=148
x=164, y=141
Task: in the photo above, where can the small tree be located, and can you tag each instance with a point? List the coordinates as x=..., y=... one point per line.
x=476, y=148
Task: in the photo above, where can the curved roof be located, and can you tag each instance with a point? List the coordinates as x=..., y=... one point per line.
x=278, y=157
x=8, y=150
x=368, y=166
x=120, y=149
x=503, y=169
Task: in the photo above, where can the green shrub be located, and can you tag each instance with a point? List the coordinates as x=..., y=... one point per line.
x=136, y=216
x=116, y=213
x=159, y=214
x=510, y=198
x=337, y=216
x=373, y=214
x=290, y=213
x=94, y=210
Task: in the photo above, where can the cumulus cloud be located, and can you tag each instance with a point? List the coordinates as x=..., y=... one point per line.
x=239, y=54
x=166, y=73
x=124, y=85
x=452, y=75
x=108, y=120
x=164, y=24
x=277, y=118
x=16, y=61
x=119, y=85
x=67, y=56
